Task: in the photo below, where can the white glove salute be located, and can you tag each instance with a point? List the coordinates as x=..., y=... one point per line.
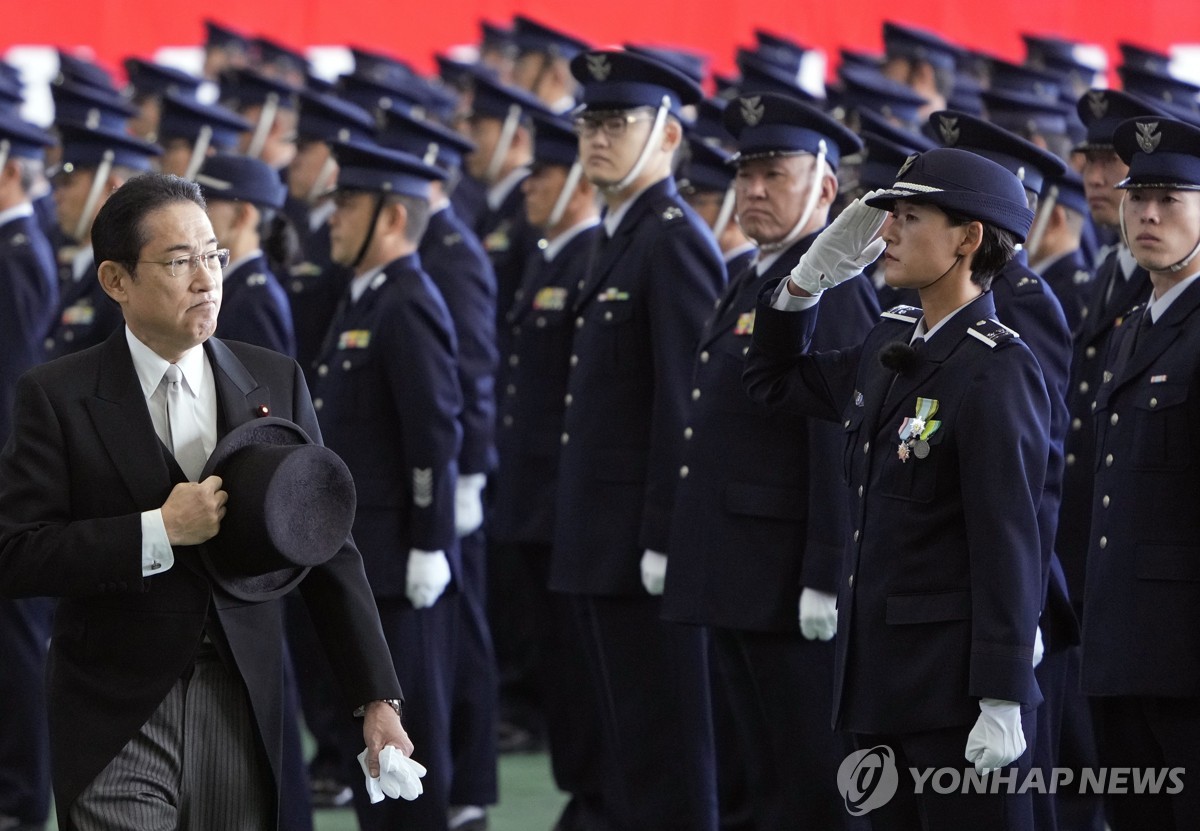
x=427, y=577
x=843, y=249
x=468, y=503
x=399, y=776
x=818, y=615
x=654, y=572
x=997, y=738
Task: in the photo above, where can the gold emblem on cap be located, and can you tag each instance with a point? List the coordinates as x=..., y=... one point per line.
x=753, y=110
x=948, y=127
x=599, y=67
x=1097, y=103
x=907, y=164
x=1148, y=136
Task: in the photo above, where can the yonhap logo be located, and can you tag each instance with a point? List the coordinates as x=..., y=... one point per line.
x=868, y=779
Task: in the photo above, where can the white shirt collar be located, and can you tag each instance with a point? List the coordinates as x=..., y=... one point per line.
x=319, y=215
x=234, y=265
x=360, y=284
x=551, y=248
x=1159, y=305
x=498, y=192
x=1126, y=261
x=612, y=219
x=16, y=212
x=150, y=366
x=922, y=332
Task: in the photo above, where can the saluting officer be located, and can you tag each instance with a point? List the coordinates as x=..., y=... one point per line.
x=760, y=519
x=1141, y=608
x=388, y=398
x=639, y=314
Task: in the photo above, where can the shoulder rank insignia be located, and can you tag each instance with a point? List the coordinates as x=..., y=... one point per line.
x=1026, y=283
x=991, y=332
x=611, y=294
x=18, y=239
x=354, y=339
x=1081, y=277
x=550, y=299
x=452, y=239
x=745, y=323
x=673, y=212
x=259, y=279
x=908, y=314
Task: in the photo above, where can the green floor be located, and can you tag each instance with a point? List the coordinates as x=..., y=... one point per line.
x=528, y=799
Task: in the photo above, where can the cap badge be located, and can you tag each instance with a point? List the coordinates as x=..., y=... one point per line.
x=907, y=164
x=753, y=110
x=1148, y=136
x=948, y=128
x=599, y=67
x=1097, y=103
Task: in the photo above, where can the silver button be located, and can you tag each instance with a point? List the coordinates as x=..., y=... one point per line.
x=1108, y=460
x=1105, y=501
x=511, y=389
x=68, y=336
x=687, y=432
x=346, y=364
x=857, y=534
x=608, y=315
x=851, y=581
x=704, y=357
x=565, y=438
x=1153, y=402
x=568, y=399
x=581, y=283
x=683, y=472
x=1104, y=542
x=860, y=491
x=847, y=424
x=867, y=447
x=696, y=394
x=1077, y=424
x=318, y=403
x=574, y=360
x=508, y=421
x=1114, y=419
x=513, y=360
x=49, y=343
x=579, y=322
x=1083, y=386
x=541, y=322
x=745, y=351
x=323, y=370
x=1070, y=459
x=1090, y=352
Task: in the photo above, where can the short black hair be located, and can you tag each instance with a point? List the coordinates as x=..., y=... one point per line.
x=995, y=249
x=118, y=233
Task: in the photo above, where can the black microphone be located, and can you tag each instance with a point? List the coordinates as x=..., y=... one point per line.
x=901, y=358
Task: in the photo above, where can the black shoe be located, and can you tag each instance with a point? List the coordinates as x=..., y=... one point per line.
x=330, y=793
x=512, y=738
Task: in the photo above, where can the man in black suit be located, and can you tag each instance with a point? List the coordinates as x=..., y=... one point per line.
x=151, y=660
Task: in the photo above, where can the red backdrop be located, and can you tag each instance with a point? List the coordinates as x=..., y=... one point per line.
x=117, y=28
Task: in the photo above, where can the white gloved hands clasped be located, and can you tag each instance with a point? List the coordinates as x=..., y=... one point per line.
x=997, y=739
x=399, y=776
x=843, y=249
x=427, y=577
x=468, y=503
x=818, y=615
x=654, y=572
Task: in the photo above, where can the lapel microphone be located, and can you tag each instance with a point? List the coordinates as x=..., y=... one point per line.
x=901, y=358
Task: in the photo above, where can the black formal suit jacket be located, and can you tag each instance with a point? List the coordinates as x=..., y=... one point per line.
x=81, y=466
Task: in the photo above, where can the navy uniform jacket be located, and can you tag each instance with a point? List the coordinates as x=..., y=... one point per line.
x=83, y=463
x=1141, y=613
x=1087, y=367
x=469, y=199
x=510, y=241
x=762, y=511
x=942, y=577
x=314, y=287
x=388, y=401
x=86, y=316
x=1071, y=281
x=254, y=308
x=28, y=301
x=458, y=266
x=532, y=389
x=639, y=317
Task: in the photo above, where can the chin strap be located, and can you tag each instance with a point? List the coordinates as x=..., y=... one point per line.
x=366, y=243
x=99, y=177
x=266, y=119
x=656, y=133
x=810, y=204
x=1176, y=267
x=199, y=152
x=728, y=203
x=508, y=131
x=565, y=194
x=1045, y=208
x=5, y=147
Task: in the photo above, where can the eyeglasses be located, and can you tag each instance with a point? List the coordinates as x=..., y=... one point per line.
x=614, y=124
x=186, y=266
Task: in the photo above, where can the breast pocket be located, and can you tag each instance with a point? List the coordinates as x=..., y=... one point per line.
x=1161, y=428
x=914, y=479
x=350, y=385
x=614, y=336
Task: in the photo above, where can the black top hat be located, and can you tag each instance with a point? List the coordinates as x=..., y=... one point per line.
x=291, y=506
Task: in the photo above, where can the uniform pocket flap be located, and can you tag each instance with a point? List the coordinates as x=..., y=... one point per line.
x=764, y=501
x=1168, y=562
x=1159, y=396
x=928, y=607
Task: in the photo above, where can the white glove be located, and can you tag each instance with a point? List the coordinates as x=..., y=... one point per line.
x=996, y=739
x=1039, y=647
x=843, y=249
x=654, y=572
x=818, y=614
x=399, y=776
x=468, y=503
x=428, y=575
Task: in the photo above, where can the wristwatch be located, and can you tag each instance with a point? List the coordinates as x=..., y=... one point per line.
x=394, y=703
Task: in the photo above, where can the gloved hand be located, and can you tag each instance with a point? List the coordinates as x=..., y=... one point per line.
x=427, y=577
x=468, y=503
x=1039, y=647
x=399, y=776
x=996, y=739
x=654, y=572
x=818, y=614
x=843, y=249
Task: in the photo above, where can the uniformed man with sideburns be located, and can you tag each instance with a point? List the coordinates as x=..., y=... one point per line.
x=639, y=315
